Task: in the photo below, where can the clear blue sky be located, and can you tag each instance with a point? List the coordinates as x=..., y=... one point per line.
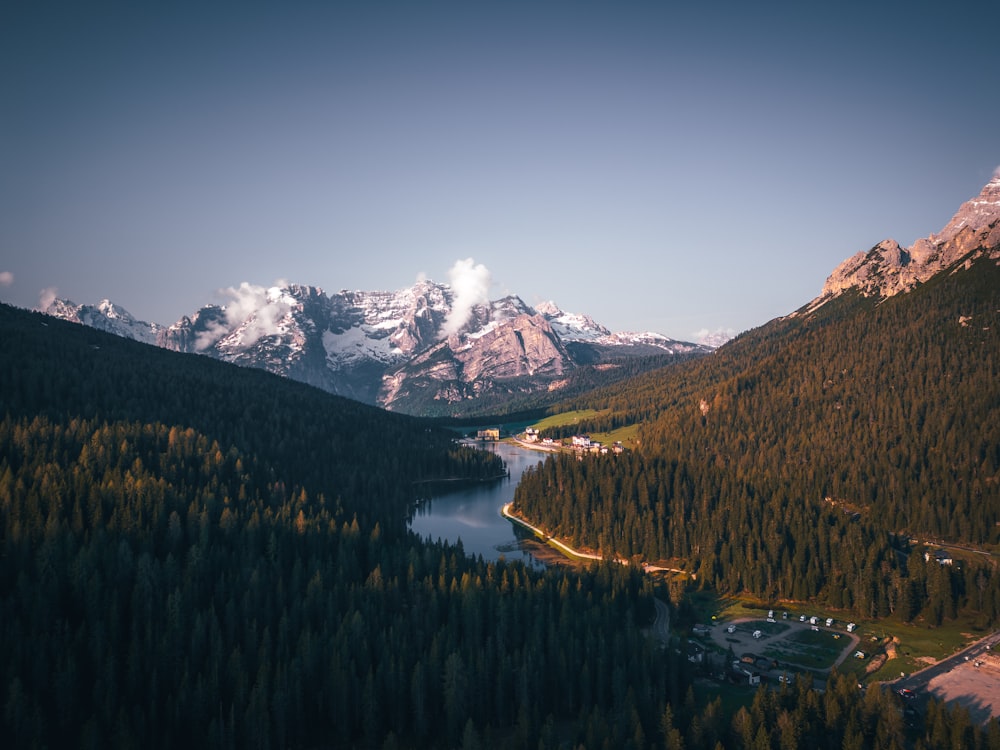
x=661, y=166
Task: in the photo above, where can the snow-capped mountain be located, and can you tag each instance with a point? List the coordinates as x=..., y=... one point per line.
x=576, y=328
x=590, y=342
x=888, y=269
x=106, y=316
x=403, y=350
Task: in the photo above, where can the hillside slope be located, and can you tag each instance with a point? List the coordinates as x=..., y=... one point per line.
x=198, y=555
x=794, y=460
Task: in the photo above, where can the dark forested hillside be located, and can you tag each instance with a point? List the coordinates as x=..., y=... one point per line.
x=199, y=555
x=799, y=459
x=336, y=446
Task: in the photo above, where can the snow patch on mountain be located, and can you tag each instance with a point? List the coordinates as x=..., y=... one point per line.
x=578, y=328
x=358, y=344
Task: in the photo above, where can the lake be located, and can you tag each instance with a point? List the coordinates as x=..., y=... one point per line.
x=472, y=514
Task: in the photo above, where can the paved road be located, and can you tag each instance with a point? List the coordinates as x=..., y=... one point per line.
x=546, y=537
x=661, y=625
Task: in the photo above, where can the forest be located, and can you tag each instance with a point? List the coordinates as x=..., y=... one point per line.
x=195, y=554
x=811, y=458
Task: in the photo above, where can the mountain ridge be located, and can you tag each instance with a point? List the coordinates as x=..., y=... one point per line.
x=888, y=268
x=403, y=350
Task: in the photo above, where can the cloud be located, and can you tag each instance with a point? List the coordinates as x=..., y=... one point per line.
x=470, y=284
x=206, y=338
x=6, y=278
x=256, y=311
x=46, y=297
x=996, y=173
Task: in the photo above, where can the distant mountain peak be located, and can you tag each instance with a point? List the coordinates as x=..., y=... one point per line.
x=105, y=316
x=549, y=309
x=888, y=268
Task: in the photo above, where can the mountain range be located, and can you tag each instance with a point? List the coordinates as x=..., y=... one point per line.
x=414, y=350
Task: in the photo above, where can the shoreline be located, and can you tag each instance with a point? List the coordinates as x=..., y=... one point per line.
x=548, y=538
x=580, y=555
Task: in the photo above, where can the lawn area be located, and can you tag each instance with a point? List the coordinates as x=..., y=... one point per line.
x=891, y=670
x=625, y=434
x=567, y=417
x=765, y=627
x=808, y=648
x=922, y=640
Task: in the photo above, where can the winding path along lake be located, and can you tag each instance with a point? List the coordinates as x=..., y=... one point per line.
x=472, y=514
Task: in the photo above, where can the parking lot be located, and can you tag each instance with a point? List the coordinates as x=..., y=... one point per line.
x=970, y=678
x=787, y=645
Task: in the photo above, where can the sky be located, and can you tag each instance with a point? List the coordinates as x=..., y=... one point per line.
x=661, y=166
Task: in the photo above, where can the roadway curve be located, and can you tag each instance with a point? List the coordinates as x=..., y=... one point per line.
x=506, y=512
x=548, y=538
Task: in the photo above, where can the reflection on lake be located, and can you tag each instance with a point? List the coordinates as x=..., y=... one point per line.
x=472, y=514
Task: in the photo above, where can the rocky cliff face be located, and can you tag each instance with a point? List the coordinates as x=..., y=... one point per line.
x=388, y=348
x=516, y=355
x=889, y=269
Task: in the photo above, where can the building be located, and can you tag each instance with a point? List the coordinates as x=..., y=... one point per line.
x=940, y=556
x=490, y=433
x=531, y=435
x=741, y=673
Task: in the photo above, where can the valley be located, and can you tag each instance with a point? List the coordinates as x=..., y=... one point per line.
x=195, y=553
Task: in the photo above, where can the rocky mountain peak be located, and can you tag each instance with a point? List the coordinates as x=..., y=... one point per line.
x=549, y=309
x=976, y=214
x=888, y=268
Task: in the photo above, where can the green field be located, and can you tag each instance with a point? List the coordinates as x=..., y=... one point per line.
x=565, y=418
x=624, y=434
